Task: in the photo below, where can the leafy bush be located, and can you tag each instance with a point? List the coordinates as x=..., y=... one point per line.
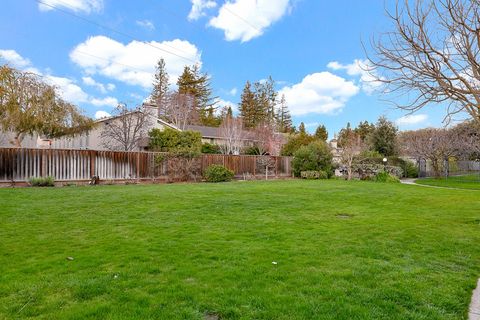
x=169, y=140
x=209, y=148
x=42, y=181
x=384, y=176
x=411, y=170
x=218, y=173
x=311, y=175
x=317, y=156
x=368, y=171
x=295, y=142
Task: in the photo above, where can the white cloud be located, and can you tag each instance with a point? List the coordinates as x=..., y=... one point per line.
x=147, y=24
x=233, y=92
x=86, y=6
x=247, y=19
x=220, y=103
x=102, y=114
x=358, y=68
x=133, y=63
x=321, y=93
x=14, y=58
x=199, y=7
x=66, y=87
x=89, y=81
x=104, y=102
x=411, y=119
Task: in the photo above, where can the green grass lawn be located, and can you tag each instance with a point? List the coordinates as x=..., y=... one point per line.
x=344, y=250
x=471, y=181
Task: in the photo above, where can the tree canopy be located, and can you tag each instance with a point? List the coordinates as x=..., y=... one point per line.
x=28, y=105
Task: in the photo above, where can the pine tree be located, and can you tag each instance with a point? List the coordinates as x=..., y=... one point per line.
x=248, y=106
x=321, y=133
x=301, y=128
x=266, y=100
x=193, y=82
x=283, y=117
x=160, y=88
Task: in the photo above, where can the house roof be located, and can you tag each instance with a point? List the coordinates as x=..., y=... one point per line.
x=135, y=111
x=207, y=132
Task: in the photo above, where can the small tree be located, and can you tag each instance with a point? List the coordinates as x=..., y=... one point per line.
x=125, y=129
x=352, y=147
x=231, y=130
x=268, y=140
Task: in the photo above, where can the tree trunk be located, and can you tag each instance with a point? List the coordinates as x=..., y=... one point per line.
x=17, y=140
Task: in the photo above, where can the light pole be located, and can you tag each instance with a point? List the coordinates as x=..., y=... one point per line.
x=385, y=164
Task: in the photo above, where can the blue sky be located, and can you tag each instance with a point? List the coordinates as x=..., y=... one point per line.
x=311, y=48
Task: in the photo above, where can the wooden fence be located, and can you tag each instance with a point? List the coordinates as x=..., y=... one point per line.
x=21, y=164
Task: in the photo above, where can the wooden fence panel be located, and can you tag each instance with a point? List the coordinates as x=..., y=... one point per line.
x=20, y=164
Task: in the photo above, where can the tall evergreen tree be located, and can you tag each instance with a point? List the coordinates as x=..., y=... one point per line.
x=161, y=84
x=283, y=117
x=248, y=106
x=364, y=129
x=266, y=98
x=321, y=133
x=196, y=84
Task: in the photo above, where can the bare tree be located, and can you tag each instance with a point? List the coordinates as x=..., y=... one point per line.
x=353, y=145
x=268, y=140
x=231, y=130
x=126, y=128
x=432, y=56
x=181, y=110
x=435, y=145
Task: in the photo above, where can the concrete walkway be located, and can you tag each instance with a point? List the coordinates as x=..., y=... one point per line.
x=412, y=183
x=474, y=311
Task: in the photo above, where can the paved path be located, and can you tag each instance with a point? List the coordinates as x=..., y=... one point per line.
x=474, y=311
x=413, y=183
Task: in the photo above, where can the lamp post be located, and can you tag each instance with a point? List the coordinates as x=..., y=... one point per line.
x=385, y=164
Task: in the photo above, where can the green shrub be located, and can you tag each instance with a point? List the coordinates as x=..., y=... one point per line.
x=384, y=176
x=411, y=170
x=312, y=175
x=169, y=140
x=209, y=148
x=42, y=181
x=317, y=156
x=295, y=142
x=217, y=173
x=251, y=151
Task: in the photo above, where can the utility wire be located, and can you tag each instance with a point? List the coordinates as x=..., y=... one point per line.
x=113, y=30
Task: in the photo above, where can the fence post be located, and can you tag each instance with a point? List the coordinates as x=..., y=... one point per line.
x=254, y=165
x=276, y=166
x=138, y=167
x=42, y=163
x=92, y=163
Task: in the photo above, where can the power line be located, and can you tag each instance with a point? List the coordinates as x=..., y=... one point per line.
x=114, y=30
x=241, y=18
